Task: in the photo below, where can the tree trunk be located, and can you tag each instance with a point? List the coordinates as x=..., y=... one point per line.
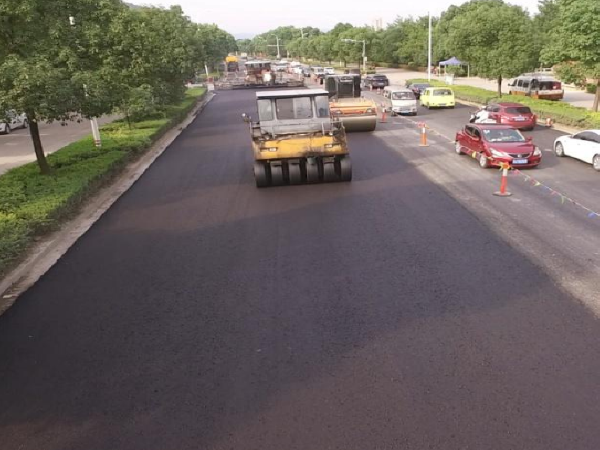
x=597, y=96
x=34, y=131
x=499, y=85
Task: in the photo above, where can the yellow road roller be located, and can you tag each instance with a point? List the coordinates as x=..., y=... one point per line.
x=296, y=140
x=355, y=112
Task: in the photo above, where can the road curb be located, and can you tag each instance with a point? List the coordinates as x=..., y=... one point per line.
x=50, y=249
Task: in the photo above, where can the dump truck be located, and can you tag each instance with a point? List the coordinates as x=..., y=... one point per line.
x=355, y=112
x=232, y=63
x=296, y=140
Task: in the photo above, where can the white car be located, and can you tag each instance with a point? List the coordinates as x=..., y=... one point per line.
x=584, y=146
x=329, y=71
x=12, y=122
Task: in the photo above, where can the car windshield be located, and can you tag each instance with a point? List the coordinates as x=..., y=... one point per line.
x=380, y=77
x=421, y=86
x=442, y=92
x=518, y=110
x=503, y=135
x=403, y=96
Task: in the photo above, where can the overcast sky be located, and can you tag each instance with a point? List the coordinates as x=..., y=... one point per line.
x=244, y=18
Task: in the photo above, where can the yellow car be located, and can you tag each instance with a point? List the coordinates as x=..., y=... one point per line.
x=438, y=97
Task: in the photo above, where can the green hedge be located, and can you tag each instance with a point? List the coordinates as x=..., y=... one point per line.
x=31, y=203
x=560, y=112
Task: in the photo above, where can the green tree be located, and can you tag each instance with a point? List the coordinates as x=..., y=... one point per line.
x=494, y=37
x=44, y=61
x=575, y=43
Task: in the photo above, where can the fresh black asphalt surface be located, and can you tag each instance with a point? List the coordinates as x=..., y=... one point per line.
x=203, y=313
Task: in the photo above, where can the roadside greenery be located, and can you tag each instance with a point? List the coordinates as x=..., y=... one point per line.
x=560, y=112
x=61, y=60
x=497, y=39
x=32, y=203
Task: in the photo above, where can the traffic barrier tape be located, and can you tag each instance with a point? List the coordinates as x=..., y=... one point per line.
x=553, y=193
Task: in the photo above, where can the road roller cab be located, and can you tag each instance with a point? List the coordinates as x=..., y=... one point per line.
x=355, y=112
x=296, y=140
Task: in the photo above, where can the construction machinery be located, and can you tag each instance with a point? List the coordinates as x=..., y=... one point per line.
x=232, y=63
x=258, y=74
x=296, y=140
x=355, y=112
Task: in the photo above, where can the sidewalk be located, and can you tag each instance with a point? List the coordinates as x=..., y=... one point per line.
x=16, y=148
x=398, y=76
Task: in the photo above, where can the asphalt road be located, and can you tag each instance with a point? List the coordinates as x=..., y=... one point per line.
x=386, y=313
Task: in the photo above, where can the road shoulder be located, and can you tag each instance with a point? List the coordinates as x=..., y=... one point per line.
x=48, y=250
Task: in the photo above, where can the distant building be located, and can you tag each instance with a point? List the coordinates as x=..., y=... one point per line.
x=378, y=24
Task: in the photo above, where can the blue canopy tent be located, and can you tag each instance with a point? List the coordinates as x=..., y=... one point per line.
x=454, y=61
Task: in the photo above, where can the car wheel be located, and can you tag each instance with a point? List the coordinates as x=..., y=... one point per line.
x=559, y=150
x=457, y=148
x=26, y=123
x=7, y=129
x=596, y=163
x=483, y=161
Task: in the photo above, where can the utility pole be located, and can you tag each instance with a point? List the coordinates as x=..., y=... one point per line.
x=93, y=120
x=364, y=51
x=429, y=51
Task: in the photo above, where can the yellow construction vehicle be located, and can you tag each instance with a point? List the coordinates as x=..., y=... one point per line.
x=232, y=63
x=355, y=112
x=296, y=140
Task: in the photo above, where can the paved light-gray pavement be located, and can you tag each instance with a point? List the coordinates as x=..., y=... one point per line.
x=16, y=148
x=203, y=313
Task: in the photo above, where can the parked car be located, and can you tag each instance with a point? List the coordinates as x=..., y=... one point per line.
x=399, y=100
x=584, y=146
x=306, y=71
x=418, y=88
x=497, y=144
x=513, y=114
x=376, y=80
x=329, y=71
x=437, y=97
x=13, y=121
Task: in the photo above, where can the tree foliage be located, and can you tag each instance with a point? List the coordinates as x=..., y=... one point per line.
x=64, y=59
x=575, y=43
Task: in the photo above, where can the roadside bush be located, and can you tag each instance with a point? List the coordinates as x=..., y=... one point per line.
x=32, y=203
x=560, y=112
x=590, y=88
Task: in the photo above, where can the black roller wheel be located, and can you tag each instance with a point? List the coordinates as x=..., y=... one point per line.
x=312, y=171
x=329, y=172
x=276, y=175
x=260, y=174
x=346, y=169
x=295, y=173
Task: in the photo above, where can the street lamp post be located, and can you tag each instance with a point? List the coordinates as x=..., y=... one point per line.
x=278, y=52
x=364, y=51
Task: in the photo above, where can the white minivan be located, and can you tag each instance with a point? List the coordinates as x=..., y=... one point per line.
x=400, y=100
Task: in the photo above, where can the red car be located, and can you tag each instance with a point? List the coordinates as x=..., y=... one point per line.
x=513, y=114
x=495, y=144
